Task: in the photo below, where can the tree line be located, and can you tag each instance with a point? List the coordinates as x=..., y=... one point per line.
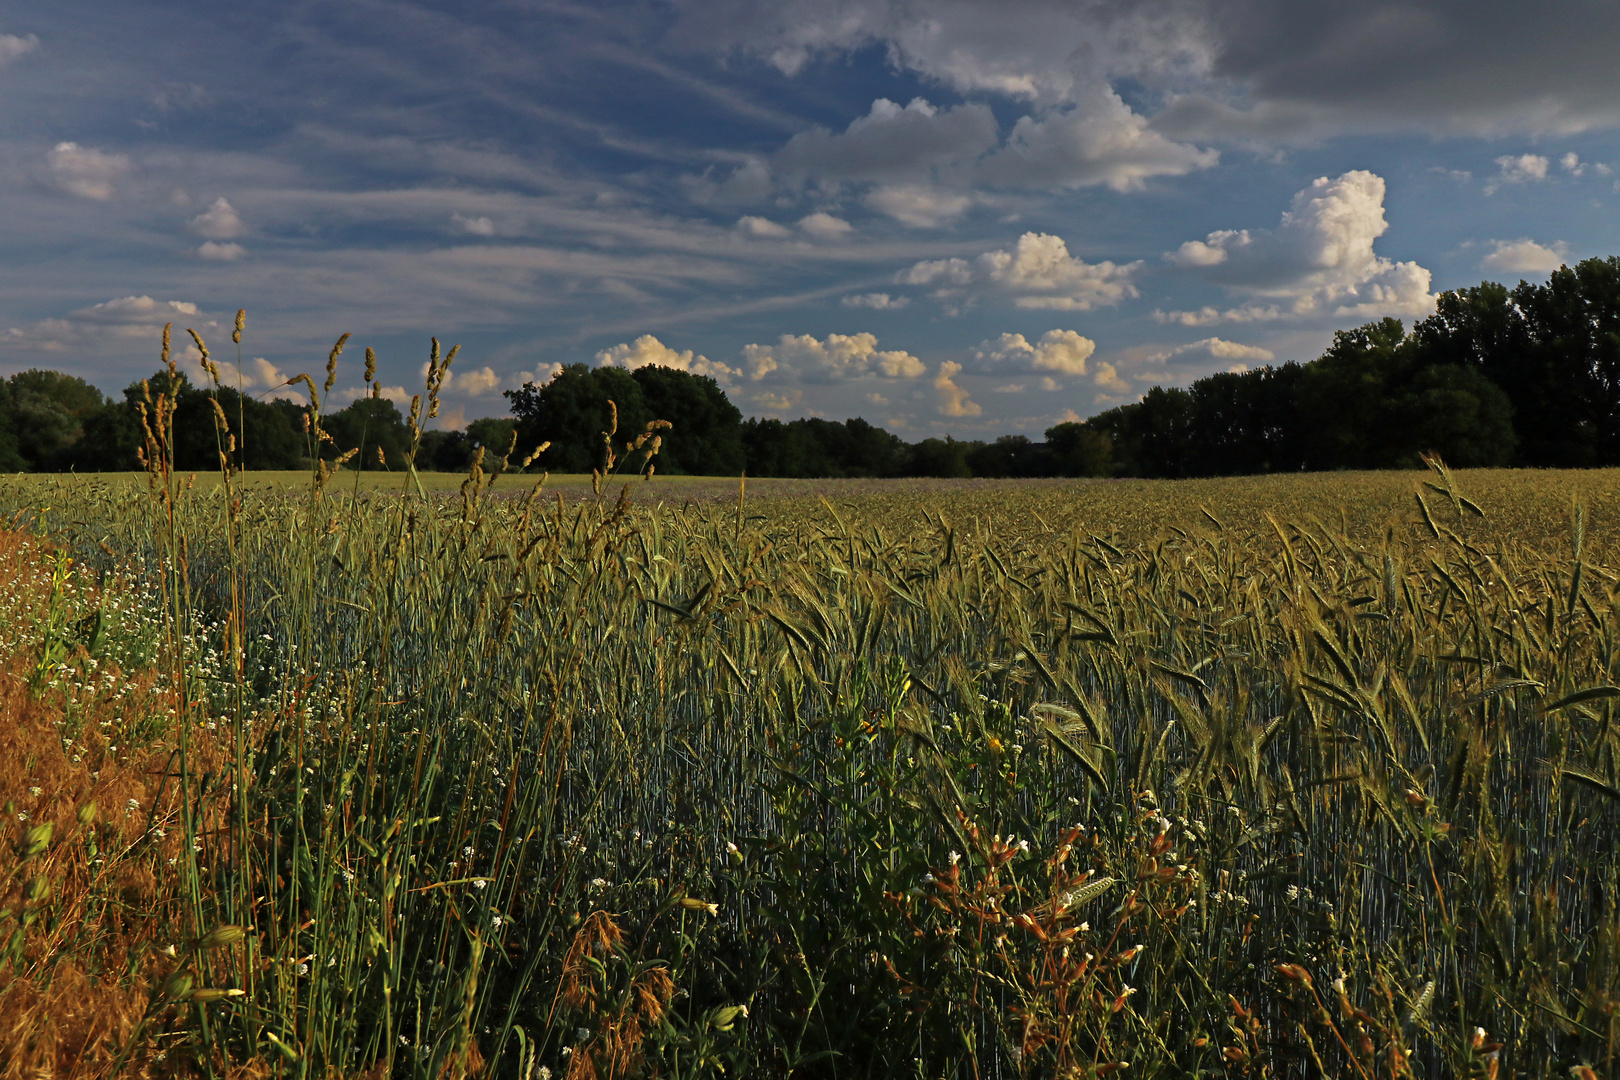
x=1526, y=376
x=54, y=422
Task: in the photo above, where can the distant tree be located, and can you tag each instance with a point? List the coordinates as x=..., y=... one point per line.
x=369, y=425
x=814, y=447
x=1343, y=398
x=1452, y=411
x=494, y=434
x=11, y=459
x=1078, y=449
x=1570, y=393
x=48, y=411
x=706, y=438
x=944, y=458
x=444, y=451
x=1010, y=455
x=572, y=411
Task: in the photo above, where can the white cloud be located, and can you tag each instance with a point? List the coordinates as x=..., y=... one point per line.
x=1062, y=351
x=12, y=46
x=824, y=226
x=893, y=143
x=84, y=171
x=114, y=324
x=839, y=357
x=257, y=374
x=1572, y=164
x=876, y=301
x=539, y=376
x=1214, y=348
x=763, y=228
x=478, y=382
x=919, y=207
x=1107, y=378
x=1319, y=261
x=219, y=222
x=1525, y=256
x=953, y=400
x=1522, y=169
x=943, y=272
x=875, y=398
x=647, y=350
x=477, y=226
x=217, y=252
x=1039, y=273
x=1100, y=141
x=772, y=403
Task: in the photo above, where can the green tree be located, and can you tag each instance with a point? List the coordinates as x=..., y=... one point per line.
x=369, y=425
x=48, y=410
x=706, y=438
x=1452, y=411
x=1078, y=449
x=11, y=459
x=1571, y=391
x=944, y=458
x=572, y=412
x=494, y=434
x=1343, y=397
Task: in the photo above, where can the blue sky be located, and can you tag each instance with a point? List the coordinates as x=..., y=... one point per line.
x=952, y=217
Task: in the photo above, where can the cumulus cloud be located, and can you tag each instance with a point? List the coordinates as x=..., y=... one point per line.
x=539, y=376
x=12, y=46
x=114, y=323
x=214, y=251
x=478, y=382
x=773, y=403
x=1572, y=164
x=953, y=400
x=1038, y=273
x=258, y=375
x=1234, y=355
x=876, y=301
x=763, y=228
x=1107, y=379
x=1099, y=141
x=219, y=222
x=919, y=207
x=1062, y=351
x=924, y=159
x=839, y=357
x=1525, y=256
x=647, y=350
x=477, y=226
x=85, y=171
x=1520, y=169
x=893, y=143
x=1319, y=262
x=824, y=226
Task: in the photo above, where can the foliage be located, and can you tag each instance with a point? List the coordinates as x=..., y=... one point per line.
x=573, y=410
x=854, y=790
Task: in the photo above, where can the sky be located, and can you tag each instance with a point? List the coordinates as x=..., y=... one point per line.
x=955, y=217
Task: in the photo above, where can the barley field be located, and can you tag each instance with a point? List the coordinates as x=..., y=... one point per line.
x=1281, y=777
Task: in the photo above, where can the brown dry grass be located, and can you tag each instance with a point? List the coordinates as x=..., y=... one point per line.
x=107, y=909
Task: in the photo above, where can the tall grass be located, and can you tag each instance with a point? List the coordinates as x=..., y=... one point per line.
x=523, y=784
